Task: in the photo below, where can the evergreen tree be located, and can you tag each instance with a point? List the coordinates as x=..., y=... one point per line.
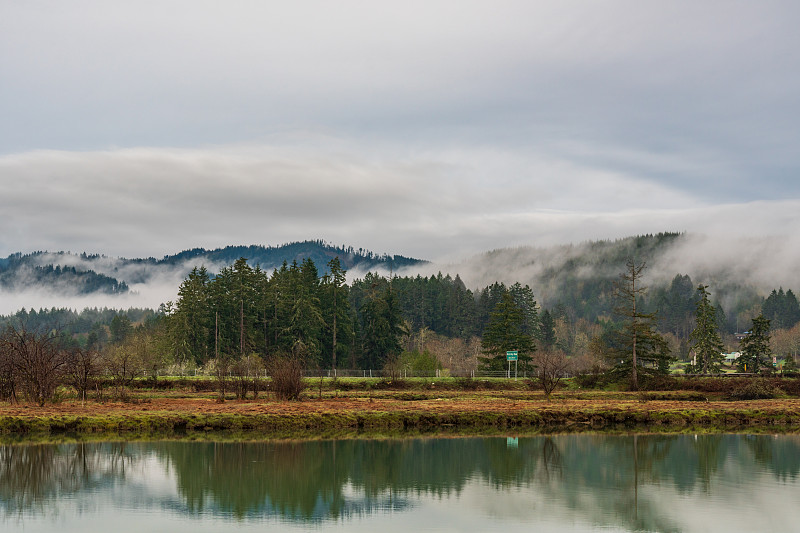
x=781, y=309
x=636, y=347
x=792, y=310
x=524, y=299
x=547, y=329
x=381, y=329
x=676, y=306
x=190, y=323
x=120, y=328
x=463, y=310
x=306, y=322
x=336, y=310
x=754, y=348
x=234, y=306
x=279, y=303
x=506, y=332
x=705, y=339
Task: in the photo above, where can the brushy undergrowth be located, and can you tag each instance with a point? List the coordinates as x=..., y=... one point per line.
x=287, y=378
x=756, y=389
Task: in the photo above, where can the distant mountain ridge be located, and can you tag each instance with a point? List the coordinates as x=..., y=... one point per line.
x=82, y=274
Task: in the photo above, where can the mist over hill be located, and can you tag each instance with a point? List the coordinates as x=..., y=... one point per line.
x=66, y=279
x=579, y=276
x=576, y=276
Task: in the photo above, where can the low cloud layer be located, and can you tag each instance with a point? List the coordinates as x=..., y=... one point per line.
x=720, y=261
x=431, y=205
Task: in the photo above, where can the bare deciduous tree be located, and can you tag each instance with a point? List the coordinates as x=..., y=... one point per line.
x=83, y=365
x=8, y=380
x=122, y=363
x=34, y=362
x=552, y=366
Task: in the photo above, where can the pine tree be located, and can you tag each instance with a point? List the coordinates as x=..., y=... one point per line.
x=754, y=348
x=705, y=339
x=635, y=348
x=306, y=322
x=382, y=328
x=523, y=297
x=781, y=309
x=336, y=309
x=506, y=332
x=547, y=328
x=190, y=323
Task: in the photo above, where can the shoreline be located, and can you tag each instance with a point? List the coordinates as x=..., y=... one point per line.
x=471, y=415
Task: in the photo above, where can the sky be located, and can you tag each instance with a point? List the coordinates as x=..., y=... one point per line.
x=431, y=129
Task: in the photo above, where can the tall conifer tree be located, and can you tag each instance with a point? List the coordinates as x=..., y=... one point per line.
x=636, y=347
x=755, y=349
x=705, y=338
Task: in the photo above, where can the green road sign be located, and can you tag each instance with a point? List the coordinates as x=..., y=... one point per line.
x=511, y=355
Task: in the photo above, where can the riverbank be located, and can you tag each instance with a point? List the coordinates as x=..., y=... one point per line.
x=393, y=412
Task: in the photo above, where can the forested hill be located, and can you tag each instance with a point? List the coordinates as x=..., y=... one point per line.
x=270, y=257
x=17, y=274
x=575, y=279
x=83, y=274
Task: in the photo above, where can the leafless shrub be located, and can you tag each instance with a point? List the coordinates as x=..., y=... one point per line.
x=222, y=374
x=246, y=374
x=123, y=364
x=287, y=377
x=551, y=367
x=392, y=369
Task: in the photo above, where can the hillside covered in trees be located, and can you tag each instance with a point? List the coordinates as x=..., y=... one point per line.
x=65, y=272
x=311, y=311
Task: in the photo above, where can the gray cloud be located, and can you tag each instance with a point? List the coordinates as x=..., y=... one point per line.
x=151, y=202
x=637, y=83
x=430, y=129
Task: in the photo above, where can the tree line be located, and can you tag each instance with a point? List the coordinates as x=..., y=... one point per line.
x=237, y=321
x=323, y=320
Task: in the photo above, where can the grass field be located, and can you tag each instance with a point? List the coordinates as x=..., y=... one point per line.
x=358, y=406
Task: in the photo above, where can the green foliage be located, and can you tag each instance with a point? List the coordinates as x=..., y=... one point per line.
x=419, y=362
x=781, y=309
x=19, y=271
x=755, y=349
x=547, y=336
x=634, y=347
x=705, y=338
x=121, y=328
x=336, y=314
x=506, y=331
x=191, y=321
x=382, y=327
x=676, y=306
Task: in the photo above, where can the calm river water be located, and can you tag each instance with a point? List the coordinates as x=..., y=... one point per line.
x=544, y=483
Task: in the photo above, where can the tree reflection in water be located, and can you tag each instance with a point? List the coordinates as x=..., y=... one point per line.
x=322, y=480
x=33, y=477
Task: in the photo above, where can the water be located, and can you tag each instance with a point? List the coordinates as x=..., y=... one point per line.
x=563, y=483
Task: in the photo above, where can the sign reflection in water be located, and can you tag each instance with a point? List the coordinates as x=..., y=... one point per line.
x=556, y=483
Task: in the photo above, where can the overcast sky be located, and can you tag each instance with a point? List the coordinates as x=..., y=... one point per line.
x=433, y=129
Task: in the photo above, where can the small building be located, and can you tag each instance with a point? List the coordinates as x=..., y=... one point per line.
x=730, y=358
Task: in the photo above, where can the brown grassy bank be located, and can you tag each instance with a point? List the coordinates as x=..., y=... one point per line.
x=397, y=411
